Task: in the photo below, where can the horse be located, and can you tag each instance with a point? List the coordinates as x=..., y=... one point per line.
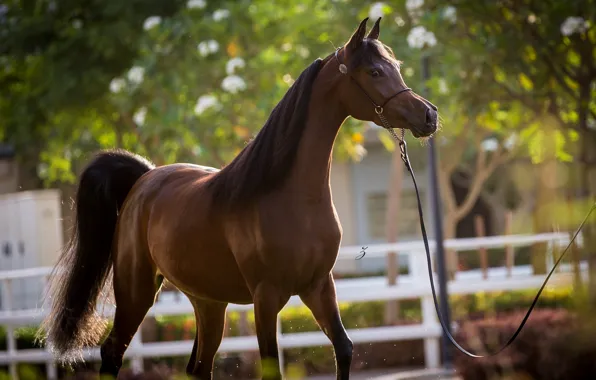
x=257, y=231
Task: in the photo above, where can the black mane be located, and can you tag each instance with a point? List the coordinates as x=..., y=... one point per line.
x=266, y=161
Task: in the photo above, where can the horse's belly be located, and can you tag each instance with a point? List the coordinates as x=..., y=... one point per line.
x=209, y=275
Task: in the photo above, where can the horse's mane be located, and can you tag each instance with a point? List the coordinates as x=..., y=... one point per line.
x=266, y=161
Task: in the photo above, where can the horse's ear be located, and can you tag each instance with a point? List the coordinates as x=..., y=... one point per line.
x=374, y=32
x=358, y=36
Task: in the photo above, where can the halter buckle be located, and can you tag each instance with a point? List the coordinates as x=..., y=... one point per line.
x=378, y=110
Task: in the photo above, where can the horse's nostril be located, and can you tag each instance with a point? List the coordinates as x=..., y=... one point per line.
x=431, y=117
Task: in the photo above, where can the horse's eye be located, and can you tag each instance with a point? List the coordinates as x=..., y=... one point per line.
x=375, y=73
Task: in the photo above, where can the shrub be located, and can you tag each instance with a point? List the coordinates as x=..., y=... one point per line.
x=554, y=345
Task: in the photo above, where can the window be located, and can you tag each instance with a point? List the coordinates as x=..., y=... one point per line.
x=407, y=219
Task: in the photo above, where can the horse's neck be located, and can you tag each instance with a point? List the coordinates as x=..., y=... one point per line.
x=310, y=175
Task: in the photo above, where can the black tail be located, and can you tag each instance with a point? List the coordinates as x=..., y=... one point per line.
x=84, y=266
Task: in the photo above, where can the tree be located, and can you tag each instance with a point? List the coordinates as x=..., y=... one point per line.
x=540, y=54
x=188, y=97
x=60, y=56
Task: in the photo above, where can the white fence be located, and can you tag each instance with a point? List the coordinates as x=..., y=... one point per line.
x=413, y=285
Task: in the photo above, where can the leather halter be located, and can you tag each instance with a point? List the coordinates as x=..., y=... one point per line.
x=378, y=108
x=379, y=111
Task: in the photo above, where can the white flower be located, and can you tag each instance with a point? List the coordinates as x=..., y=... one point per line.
x=42, y=169
x=208, y=47
x=414, y=9
x=233, y=84
x=139, y=116
x=234, y=63
x=414, y=4
x=376, y=11
x=490, y=144
x=196, y=150
x=450, y=13
x=510, y=141
x=203, y=48
x=205, y=102
x=151, y=22
x=574, y=25
x=360, y=151
x=77, y=24
x=220, y=14
x=287, y=78
x=196, y=4
x=399, y=21
x=117, y=84
x=302, y=51
x=213, y=46
x=136, y=74
x=419, y=37
x=443, y=88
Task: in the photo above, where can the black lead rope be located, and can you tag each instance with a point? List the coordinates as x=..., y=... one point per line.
x=406, y=160
x=404, y=156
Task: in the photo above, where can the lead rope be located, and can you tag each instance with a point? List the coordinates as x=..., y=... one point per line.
x=404, y=156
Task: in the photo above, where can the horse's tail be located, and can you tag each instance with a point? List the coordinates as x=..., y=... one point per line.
x=84, y=265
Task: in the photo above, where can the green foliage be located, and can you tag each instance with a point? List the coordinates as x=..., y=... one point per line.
x=60, y=57
x=531, y=54
x=134, y=80
x=239, y=56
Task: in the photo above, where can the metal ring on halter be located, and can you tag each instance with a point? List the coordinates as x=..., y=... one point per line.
x=379, y=110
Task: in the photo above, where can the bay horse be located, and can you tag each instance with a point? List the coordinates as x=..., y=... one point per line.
x=258, y=231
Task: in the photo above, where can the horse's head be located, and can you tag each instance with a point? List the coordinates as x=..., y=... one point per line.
x=374, y=90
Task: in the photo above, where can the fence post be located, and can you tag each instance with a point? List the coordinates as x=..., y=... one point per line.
x=136, y=362
x=51, y=368
x=280, y=348
x=509, y=252
x=10, y=342
x=432, y=353
x=481, y=232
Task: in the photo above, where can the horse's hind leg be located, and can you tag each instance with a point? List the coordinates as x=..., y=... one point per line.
x=135, y=286
x=211, y=318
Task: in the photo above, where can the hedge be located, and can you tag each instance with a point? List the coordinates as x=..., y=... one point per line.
x=318, y=360
x=355, y=315
x=554, y=345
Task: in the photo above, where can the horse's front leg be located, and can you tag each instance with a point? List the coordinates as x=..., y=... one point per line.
x=268, y=302
x=322, y=302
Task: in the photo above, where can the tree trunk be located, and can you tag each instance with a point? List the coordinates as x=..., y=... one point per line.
x=394, y=192
x=589, y=231
x=27, y=161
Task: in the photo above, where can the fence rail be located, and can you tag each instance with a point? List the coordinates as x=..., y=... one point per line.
x=415, y=284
